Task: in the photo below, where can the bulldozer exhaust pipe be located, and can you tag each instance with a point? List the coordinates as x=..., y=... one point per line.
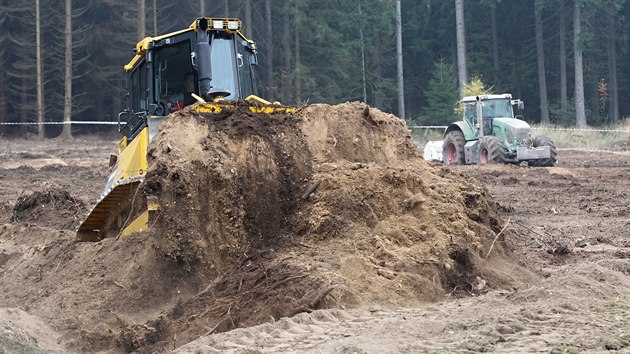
x=203, y=62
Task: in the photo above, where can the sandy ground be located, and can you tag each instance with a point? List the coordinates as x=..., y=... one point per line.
x=547, y=317
x=570, y=225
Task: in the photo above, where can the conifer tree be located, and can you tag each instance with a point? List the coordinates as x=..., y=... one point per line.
x=442, y=95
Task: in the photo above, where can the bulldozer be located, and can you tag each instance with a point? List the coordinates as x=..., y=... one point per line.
x=490, y=133
x=218, y=62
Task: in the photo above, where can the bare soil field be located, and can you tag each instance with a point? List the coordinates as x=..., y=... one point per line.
x=515, y=259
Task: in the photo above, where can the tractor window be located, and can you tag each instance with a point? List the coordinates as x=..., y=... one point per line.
x=172, y=67
x=496, y=108
x=470, y=113
x=223, y=65
x=138, y=88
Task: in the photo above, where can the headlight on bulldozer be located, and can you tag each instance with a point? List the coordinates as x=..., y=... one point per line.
x=233, y=25
x=217, y=24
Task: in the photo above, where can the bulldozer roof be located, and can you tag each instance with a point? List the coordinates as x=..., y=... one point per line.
x=228, y=25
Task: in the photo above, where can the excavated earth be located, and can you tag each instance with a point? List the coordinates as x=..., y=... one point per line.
x=320, y=230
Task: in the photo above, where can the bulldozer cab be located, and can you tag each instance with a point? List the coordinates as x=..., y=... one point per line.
x=211, y=60
x=218, y=57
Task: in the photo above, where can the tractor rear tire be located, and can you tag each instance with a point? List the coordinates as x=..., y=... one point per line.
x=453, y=150
x=550, y=162
x=491, y=150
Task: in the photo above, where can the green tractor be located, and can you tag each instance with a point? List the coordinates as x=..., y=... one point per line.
x=490, y=133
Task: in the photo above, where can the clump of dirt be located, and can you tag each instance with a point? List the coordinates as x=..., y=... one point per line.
x=49, y=206
x=271, y=215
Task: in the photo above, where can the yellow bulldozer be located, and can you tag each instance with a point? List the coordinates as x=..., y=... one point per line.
x=210, y=66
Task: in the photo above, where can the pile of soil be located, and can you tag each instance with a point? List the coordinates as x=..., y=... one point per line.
x=267, y=216
x=49, y=206
x=262, y=216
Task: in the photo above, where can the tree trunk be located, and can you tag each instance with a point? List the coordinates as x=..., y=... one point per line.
x=613, y=109
x=495, y=49
x=248, y=19
x=286, y=48
x=580, y=111
x=117, y=102
x=462, y=71
x=377, y=59
x=564, y=101
x=399, y=62
x=518, y=89
x=3, y=98
x=155, y=29
x=40, y=71
x=25, y=111
x=362, y=55
x=298, y=80
x=540, y=55
x=66, y=132
x=598, y=109
x=3, y=78
x=99, y=108
x=269, y=49
x=141, y=20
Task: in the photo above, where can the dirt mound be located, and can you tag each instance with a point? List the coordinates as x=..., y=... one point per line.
x=49, y=206
x=262, y=216
x=271, y=215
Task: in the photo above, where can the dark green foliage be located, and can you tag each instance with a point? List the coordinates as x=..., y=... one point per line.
x=330, y=62
x=441, y=96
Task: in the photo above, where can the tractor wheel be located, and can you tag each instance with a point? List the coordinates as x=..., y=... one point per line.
x=491, y=150
x=550, y=162
x=453, y=150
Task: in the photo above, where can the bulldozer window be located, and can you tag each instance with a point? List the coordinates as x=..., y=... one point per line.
x=171, y=65
x=245, y=70
x=139, y=88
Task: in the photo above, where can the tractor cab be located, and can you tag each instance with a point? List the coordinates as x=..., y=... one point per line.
x=211, y=59
x=491, y=107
